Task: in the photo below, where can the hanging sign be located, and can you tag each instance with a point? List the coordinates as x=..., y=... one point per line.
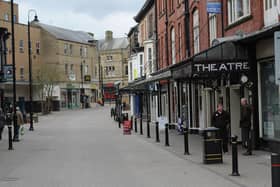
x=214, y=7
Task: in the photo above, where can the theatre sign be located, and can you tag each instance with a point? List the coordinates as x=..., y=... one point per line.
x=202, y=68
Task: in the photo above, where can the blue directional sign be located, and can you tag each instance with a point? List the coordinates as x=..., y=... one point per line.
x=214, y=7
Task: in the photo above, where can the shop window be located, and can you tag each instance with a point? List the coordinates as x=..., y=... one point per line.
x=270, y=96
x=238, y=9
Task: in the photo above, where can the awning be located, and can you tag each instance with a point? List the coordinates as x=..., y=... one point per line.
x=224, y=58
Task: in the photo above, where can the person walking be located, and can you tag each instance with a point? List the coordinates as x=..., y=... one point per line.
x=2, y=122
x=245, y=125
x=221, y=120
x=20, y=122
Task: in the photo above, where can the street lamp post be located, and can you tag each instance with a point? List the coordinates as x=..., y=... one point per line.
x=31, y=128
x=82, y=81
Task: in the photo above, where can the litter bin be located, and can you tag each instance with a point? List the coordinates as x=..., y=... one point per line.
x=212, y=146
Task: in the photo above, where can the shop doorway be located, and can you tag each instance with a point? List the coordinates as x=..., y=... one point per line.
x=235, y=111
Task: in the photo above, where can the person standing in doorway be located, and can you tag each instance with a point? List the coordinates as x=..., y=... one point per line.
x=221, y=120
x=245, y=124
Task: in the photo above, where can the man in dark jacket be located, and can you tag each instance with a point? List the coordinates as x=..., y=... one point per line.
x=245, y=125
x=221, y=120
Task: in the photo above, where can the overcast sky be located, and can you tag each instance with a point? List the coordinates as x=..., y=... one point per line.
x=94, y=16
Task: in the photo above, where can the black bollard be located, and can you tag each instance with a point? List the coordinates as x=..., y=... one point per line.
x=131, y=119
x=120, y=123
x=235, y=171
x=186, y=141
x=275, y=169
x=157, y=132
x=141, y=125
x=10, y=138
x=166, y=136
x=135, y=124
x=148, y=129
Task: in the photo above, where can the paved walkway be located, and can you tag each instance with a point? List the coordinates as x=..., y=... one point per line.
x=255, y=170
x=87, y=149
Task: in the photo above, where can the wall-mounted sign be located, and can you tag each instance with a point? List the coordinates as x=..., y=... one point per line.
x=214, y=7
x=87, y=78
x=72, y=76
x=199, y=68
x=8, y=72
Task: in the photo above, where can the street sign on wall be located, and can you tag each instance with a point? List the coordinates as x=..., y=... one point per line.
x=214, y=7
x=277, y=56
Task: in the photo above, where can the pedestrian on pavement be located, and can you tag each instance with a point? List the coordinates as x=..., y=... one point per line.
x=20, y=122
x=2, y=122
x=221, y=120
x=245, y=125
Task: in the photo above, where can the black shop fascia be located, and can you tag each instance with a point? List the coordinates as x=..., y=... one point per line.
x=227, y=60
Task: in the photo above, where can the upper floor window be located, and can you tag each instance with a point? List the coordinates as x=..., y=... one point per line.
x=212, y=28
x=196, y=39
x=238, y=9
x=171, y=5
x=126, y=70
x=21, y=46
x=37, y=48
x=71, y=49
x=173, y=46
x=141, y=66
x=180, y=41
x=85, y=52
x=6, y=17
x=81, y=51
x=271, y=12
x=66, y=49
x=110, y=58
x=15, y=18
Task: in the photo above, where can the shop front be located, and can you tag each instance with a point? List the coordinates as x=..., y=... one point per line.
x=212, y=77
x=70, y=97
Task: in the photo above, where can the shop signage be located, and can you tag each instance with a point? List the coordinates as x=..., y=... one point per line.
x=87, y=78
x=214, y=7
x=277, y=56
x=199, y=68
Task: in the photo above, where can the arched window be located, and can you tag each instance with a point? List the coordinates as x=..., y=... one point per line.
x=173, y=46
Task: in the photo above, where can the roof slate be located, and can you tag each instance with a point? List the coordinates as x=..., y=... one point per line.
x=115, y=43
x=66, y=34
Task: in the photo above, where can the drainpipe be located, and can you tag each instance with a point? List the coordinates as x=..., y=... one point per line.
x=187, y=28
x=166, y=34
x=156, y=36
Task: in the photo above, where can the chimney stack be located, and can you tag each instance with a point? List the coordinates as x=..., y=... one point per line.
x=109, y=35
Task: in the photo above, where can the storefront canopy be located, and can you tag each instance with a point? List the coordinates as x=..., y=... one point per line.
x=223, y=58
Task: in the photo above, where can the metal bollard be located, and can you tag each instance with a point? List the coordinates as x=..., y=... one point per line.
x=120, y=123
x=157, y=132
x=235, y=171
x=166, y=135
x=131, y=119
x=10, y=138
x=275, y=169
x=135, y=124
x=186, y=141
x=141, y=125
x=148, y=129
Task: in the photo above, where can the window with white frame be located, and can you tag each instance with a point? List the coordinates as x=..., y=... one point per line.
x=6, y=17
x=173, y=46
x=196, y=41
x=85, y=52
x=212, y=27
x=141, y=65
x=110, y=58
x=66, y=48
x=150, y=60
x=271, y=12
x=238, y=9
x=71, y=49
x=21, y=46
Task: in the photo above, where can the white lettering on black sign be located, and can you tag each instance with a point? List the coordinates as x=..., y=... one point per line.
x=221, y=67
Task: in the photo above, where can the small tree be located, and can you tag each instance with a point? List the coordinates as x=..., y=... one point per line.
x=46, y=78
